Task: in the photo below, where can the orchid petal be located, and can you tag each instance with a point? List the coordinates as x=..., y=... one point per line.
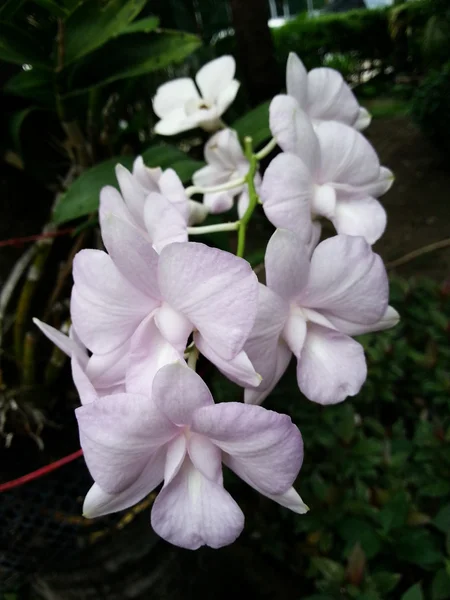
x=206, y=457
x=330, y=98
x=227, y=96
x=68, y=345
x=365, y=217
x=296, y=79
x=171, y=187
x=287, y=264
x=363, y=120
x=215, y=77
x=219, y=202
x=294, y=332
x=388, y=320
x=164, y=223
x=273, y=361
x=176, y=453
x=173, y=95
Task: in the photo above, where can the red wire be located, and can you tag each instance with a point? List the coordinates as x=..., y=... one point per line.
x=32, y=238
x=8, y=485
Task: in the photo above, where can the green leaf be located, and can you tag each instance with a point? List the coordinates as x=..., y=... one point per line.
x=82, y=197
x=329, y=569
x=186, y=168
x=255, y=124
x=442, y=519
x=417, y=546
x=93, y=23
x=57, y=9
x=36, y=84
x=440, y=587
x=165, y=155
x=385, y=581
x=17, y=47
x=129, y=56
x=15, y=126
x=395, y=512
x=9, y=8
x=145, y=25
x=414, y=593
x=437, y=489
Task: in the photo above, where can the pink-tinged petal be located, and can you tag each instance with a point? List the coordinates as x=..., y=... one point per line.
x=274, y=362
x=388, y=320
x=365, y=217
x=175, y=455
x=112, y=201
x=286, y=193
x=330, y=98
x=242, y=203
x=324, y=201
x=131, y=250
x=224, y=151
x=85, y=389
x=227, y=96
x=178, y=392
x=105, y=308
x=164, y=223
x=174, y=326
x=287, y=264
x=65, y=343
x=293, y=130
x=149, y=351
x=206, y=457
x=173, y=95
x=264, y=445
x=215, y=77
x=193, y=511
x=347, y=280
x=363, y=120
x=331, y=367
x=294, y=332
x=210, y=175
x=133, y=196
x=381, y=185
x=297, y=79
x=118, y=435
x=98, y=502
x=219, y=202
x=215, y=290
x=347, y=158
x=107, y=371
x=239, y=369
x=291, y=500
x=146, y=176
x=171, y=187
x=197, y=212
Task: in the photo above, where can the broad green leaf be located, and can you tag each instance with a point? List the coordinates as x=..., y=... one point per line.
x=329, y=569
x=442, y=519
x=414, y=593
x=93, y=23
x=255, y=124
x=163, y=155
x=82, y=197
x=394, y=513
x=36, y=84
x=440, y=587
x=145, y=25
x=17, y=47
x=385, y=581
x=129, y=56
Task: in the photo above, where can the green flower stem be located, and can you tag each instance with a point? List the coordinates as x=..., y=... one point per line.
x=253, y=196
x=213, y=228
x=267, y=149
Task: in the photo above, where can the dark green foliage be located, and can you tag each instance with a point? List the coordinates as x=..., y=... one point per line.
x=377, y=468
x=431, y=107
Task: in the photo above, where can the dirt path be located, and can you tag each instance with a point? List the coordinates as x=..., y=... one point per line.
x=418, y=204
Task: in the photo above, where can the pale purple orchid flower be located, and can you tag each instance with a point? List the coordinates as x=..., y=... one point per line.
x=144, y=306
x=310, y=308
x=226, y=163
x=330, y=171
x=132, y=443
x=324, y=95
x=181, y=107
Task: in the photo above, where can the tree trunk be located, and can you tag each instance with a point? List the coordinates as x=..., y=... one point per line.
x=256, y=49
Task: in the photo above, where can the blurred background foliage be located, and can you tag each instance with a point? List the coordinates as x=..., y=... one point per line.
x=76, y=81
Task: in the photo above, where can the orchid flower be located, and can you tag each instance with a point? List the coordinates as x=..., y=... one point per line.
x=144, y=306
x=311, y=309
x=176, y=434
x=226, y=163
x=181, y=107
x=324, y=95
x=331, y=171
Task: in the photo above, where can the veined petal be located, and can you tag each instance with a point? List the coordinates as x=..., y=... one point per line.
x=193, y=511
x=146, y=176
x=206, y=457
x=85, y=389
x=224, y=151
x=365, y=217
x=215, y=76
x=215, y=290
x=98, y=502
x=178, y=391
x=294, y=332
x=174, y=326
x=107, y=371
x=331, y=367
x=297, y=79
x=133, y=196
x=175, y=456
x=239, y=369
x=171, y=188
x=65, y=343
x=164, y=223
x=264, y=445
x=347, y=280
x=219, y=202
x=212, y=174
x=272, y=361
x=293, y=130
x=173, y=95
x=118, y=435
x=287, y=264
x=388, y=320
x=330, y=98
x=286, y=193
x=105, y=308
x=149, y=351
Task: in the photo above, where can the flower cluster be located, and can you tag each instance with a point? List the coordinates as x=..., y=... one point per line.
x=143, y=310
